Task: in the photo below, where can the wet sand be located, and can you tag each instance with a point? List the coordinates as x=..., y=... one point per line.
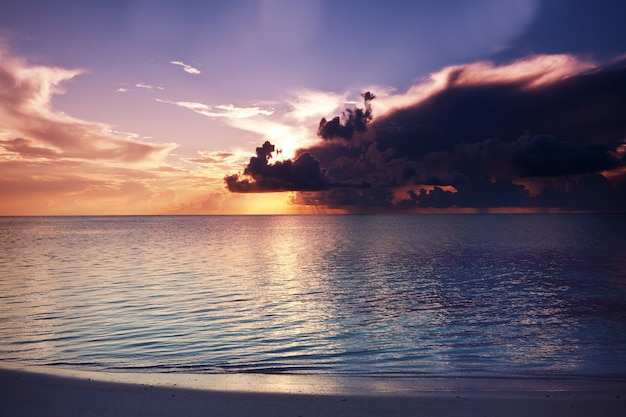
x=37, y=392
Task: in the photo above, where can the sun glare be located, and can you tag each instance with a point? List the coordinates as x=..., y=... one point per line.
x=264, y=203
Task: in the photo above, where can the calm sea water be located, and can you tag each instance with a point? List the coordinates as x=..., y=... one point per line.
x=431, y=295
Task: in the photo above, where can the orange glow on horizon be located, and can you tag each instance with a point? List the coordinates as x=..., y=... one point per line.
x=272, y=203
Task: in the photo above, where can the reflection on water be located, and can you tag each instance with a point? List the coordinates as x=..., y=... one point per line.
x=513, y=295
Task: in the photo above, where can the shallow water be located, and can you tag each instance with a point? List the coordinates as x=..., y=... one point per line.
x=433, y=295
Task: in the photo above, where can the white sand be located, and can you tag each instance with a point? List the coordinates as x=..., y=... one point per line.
x=37, y=392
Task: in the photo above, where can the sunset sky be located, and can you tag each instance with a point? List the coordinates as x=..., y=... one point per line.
x=157, y=107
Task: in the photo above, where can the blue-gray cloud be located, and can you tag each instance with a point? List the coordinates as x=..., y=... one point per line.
x=478, y=145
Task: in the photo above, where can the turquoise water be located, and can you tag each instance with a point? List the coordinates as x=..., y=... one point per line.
x=432, y=295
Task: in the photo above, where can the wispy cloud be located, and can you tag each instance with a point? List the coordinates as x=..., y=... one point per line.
x=57, y=163
x=283, y=132
x=228, y=111
x=306, y=104
x=529, y=73
x=291, y=124
x=188, y=68
x=215, y=163
x=33, y=127
x=149, y=87
x=213, y=157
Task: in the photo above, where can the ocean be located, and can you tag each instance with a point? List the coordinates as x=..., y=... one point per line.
x=482, y=295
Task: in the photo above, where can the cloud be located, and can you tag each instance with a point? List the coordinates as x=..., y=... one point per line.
x=533, y=133
x=527, y=73
x=544, y=156
x=52, y=161
x=27, y=148
x=353, y=121
x=310, y=104
x=33, y=128
x=292, y=126
x=148, y=87
x=188, y=68
x=289, y=125
x=303, y=173
x=228, y=111
x=212, y=157
x=213, y=164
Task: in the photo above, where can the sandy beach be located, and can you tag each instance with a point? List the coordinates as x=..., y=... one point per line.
x=43, y=392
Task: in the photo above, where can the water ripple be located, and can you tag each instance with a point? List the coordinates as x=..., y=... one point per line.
x=369, y=295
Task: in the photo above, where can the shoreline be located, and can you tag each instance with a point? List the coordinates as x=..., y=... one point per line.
x=44, y=391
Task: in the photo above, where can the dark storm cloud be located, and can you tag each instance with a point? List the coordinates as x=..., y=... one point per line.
x=474, y=144
x=481, y=193
x=589, y=192
x=544, y=156
x=352, y=121
x=587, y=108
x=303, y=174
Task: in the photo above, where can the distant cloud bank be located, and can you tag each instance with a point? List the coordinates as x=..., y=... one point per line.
x=547, y=132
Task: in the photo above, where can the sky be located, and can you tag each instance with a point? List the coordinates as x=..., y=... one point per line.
x=311, y=106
